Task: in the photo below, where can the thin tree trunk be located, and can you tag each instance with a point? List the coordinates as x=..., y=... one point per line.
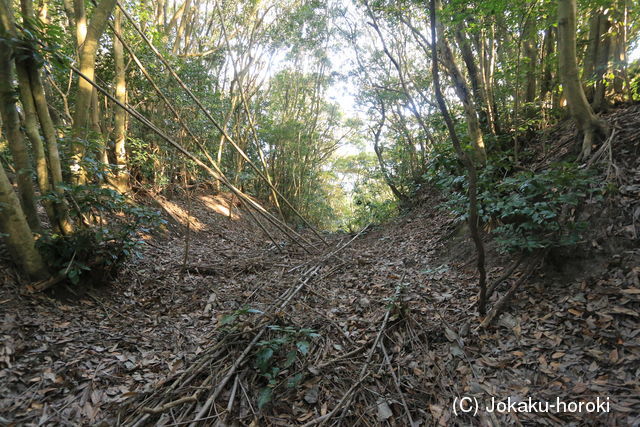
x=36, y=89
x=546, y=82
x=31, y=119
x=591, y=53
x=402, y=198
x=32, y=132
x=87, y=53
x=490, y=81
x=531, y=58
x=80, y=18
x=49, y=132
x=467, y=161
x=462, y=90
x=602, y=63
x=477, y=86
x=587, y=122
x=619, y=64
x=486, y=70
x=121, y=179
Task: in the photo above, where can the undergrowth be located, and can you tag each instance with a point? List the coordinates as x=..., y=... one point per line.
x=109, y=230
x=524, y=210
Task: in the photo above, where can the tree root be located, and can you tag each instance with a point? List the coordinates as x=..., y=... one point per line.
x=501, y=304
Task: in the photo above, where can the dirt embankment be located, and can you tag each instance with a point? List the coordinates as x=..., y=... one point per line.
x=380, y=328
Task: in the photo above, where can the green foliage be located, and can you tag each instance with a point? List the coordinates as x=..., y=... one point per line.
x=111, y=234
x=534, y=210
x=276, y=356
x=143, y=163
x=372, y=211
x=528, y=210
x=369, y=200
x=634, y=73
x=230, y=319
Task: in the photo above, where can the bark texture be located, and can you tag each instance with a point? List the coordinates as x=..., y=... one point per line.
x=121, y=178
x=17, y=233
x=11, y=125
x=87, y=54
x=588, y=123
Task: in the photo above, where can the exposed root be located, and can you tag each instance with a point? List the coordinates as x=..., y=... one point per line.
x=501, y=304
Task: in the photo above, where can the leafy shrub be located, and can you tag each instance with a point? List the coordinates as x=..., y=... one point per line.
x=634, y=72
x=280, y=353
x=533, y=210
x=110, y=234
x=528, y=210
x=144, y=161
x=372, y=211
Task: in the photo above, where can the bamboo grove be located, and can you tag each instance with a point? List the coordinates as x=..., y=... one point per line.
x=101, y=100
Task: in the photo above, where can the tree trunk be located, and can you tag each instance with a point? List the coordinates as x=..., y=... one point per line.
x=11, y=126
x=31, y=117
x=477, y=86
x=13, y=221
x=487, y=69
x=49, y=132
x=62, y=220
x=402, y=198
x=591, y=127
x=464, y=158
x=546, y=82
x=588, y=66
x=621, y=84
x=87, y=54
x=17, y=233
x=121, y=179
x=462, y=90
x=531, y=59
x=602, y=63
x=32, y=132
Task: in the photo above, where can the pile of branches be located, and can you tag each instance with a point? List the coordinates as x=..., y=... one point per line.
x=224, y=383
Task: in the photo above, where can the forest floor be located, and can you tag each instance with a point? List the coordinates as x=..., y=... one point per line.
x=376, y=328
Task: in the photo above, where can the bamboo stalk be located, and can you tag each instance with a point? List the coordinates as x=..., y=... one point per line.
x=282, y=227
x=215, y=123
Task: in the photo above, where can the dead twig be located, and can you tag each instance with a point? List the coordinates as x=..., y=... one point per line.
x=504, y=276
x=167, y=406
x=333, y=253
x=397, y=383
x=240, y=359
x=500, y=305
x=321, y=420
x=346, y=399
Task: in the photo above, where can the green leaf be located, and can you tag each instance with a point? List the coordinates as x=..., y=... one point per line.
x=291, y=358
x=294, y=381
x=303, y=346
x=263, y=357
x=228, y=318
x=264, y=397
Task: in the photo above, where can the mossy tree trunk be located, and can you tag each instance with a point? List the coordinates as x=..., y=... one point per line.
x=11, y=126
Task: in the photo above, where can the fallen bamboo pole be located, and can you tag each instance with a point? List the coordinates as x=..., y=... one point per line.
x=240, y=360
x=175, y=113
x=281, y=226
x=215, y=123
